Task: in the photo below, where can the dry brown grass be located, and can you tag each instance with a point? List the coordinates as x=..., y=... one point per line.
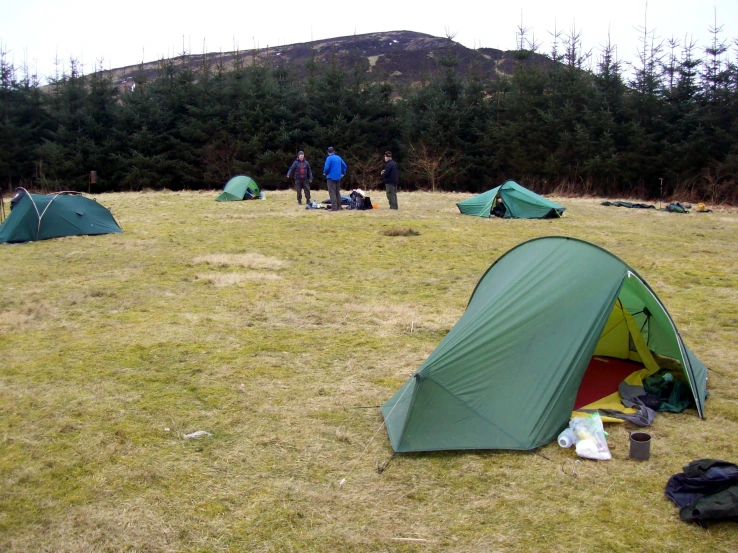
x=229, y=279
x=283, y=349
x=247, y=260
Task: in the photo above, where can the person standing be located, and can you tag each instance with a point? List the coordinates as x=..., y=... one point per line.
x=334, y=169
x=303, y=177
x=391, y=179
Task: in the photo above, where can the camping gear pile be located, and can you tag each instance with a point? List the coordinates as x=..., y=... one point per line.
x=673, y=207
x=41, y=216
x=588, y=435
x=359, y=200
x=555, y=325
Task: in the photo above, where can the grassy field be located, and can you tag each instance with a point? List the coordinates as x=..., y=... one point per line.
x=279, y=330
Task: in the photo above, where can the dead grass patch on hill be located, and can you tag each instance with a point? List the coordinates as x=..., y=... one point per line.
x=247, y=260
x=229, y=279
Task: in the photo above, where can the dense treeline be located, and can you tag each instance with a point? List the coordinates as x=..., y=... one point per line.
x=554, y=126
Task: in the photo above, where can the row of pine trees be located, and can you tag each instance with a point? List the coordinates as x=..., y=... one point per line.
x=586, y=124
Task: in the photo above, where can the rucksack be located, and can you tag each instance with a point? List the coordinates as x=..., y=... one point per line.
x=676, y=207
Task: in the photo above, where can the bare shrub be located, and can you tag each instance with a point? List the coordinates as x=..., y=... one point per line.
x=431, y=164
x=365, y=172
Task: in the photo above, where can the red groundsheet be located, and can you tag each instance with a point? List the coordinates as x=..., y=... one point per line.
x=602, y=378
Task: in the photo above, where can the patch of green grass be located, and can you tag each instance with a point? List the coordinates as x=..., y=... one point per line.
x=271, y=327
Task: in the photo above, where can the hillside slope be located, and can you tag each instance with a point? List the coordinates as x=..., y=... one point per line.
x=399, y=57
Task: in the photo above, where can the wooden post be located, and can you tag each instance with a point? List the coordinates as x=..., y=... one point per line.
x=93, y=180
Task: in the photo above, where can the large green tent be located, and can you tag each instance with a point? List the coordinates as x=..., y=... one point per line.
x=520, y=203
x=38, y=217
x=239, y=188
x=508, y=373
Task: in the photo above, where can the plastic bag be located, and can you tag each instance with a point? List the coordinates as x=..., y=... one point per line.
x=590, y=437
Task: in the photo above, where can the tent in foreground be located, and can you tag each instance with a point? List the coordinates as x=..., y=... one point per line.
x=519, y=202
x=239, y=188
x=555, y=325
x=38, y=217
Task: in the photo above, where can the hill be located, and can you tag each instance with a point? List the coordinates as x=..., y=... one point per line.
x=399, y=57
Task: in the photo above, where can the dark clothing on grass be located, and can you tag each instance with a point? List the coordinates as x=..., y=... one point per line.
x=706, y=492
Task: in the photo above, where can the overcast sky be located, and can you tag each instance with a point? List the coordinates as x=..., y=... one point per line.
x=122, y=33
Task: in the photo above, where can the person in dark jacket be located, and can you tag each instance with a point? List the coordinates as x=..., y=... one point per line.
x=334, y=169
x=499, y=208
x=303, y=177
x=391, y=179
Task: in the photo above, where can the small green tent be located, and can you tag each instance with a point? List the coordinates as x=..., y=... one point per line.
x=38, y=217
x=520, y=203
x=508, y=374
x=239, y=188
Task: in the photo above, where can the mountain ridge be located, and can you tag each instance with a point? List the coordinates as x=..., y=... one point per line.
x=402, y=58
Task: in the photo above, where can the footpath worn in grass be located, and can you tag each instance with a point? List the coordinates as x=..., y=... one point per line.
x=274, y=328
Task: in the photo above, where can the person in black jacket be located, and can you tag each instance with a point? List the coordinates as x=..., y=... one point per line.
x=499, y=208
x=391, y=179
x=303, y=177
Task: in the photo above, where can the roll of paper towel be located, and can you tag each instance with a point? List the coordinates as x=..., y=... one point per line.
x=566, y=438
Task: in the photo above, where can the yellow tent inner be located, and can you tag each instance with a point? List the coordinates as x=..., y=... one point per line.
x=621, y=339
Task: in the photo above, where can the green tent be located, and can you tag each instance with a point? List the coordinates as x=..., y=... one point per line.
x=508, y=374
x=239, y=188
x=520, y=203
x=38, y=217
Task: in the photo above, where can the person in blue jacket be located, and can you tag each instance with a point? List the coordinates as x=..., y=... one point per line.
x=334, y=169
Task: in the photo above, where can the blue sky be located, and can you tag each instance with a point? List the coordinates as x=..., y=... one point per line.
x=124, y=33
